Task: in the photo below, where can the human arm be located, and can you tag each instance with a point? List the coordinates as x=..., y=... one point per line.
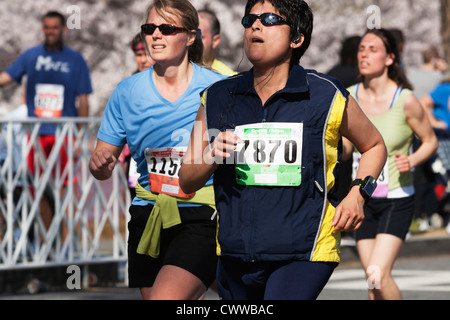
x=428, y=104
x=200, y=160
x=359, y=131
x=420, y=124
x=83, y=106
x=5, y=79
x=103, y=160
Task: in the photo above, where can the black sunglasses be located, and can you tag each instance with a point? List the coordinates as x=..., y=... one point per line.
x=267, y=19
x=165, y=29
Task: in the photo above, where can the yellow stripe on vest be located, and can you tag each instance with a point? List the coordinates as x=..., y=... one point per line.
x=327, y=243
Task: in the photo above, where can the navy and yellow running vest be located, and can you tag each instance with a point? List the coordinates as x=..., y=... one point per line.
x=280, y=223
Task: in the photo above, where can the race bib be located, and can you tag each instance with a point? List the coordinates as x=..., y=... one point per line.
x=270, y=155
x=163, y=167
x=49, y=100
x=382, y=189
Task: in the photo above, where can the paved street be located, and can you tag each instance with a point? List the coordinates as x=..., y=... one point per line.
x=418, y=279
x=423, y=278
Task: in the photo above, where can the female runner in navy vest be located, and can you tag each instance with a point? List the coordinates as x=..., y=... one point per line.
x=272, y=138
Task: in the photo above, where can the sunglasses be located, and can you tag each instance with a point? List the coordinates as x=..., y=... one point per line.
x=267, y=19
x=165, y=29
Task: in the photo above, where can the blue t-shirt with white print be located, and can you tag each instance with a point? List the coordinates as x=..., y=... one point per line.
x=54, y=80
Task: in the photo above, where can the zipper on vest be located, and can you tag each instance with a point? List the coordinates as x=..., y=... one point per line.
x=252, y=224
x=319, y=187
x=265, y=112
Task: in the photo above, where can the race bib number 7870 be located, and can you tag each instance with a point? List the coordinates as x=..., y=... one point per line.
x=270, y=155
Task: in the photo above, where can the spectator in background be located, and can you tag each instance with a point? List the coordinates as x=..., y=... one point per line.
x=424, y=81
x=431, y=74
x=400, y=39
x=210, y=27
x=58, y=85
x=346, y=71
x=437, y=105
x=347, y=68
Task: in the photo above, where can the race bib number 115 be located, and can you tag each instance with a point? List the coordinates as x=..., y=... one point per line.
x=270, y=155
x=163, y=167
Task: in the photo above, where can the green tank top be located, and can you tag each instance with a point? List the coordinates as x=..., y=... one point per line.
x=397, y=135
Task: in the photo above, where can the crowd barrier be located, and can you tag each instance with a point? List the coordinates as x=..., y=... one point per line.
x=89, y=217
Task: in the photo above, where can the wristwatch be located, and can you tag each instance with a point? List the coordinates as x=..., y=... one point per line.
x=366, y=186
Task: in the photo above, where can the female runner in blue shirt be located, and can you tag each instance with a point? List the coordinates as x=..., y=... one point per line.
x=171, y=246
x=279, y=233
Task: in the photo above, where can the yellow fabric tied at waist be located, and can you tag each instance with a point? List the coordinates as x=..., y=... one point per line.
x=165, y=215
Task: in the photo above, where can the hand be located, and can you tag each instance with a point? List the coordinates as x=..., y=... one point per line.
x=102, y=159
x=224, y=145
x=349, y=214
x=403, y=163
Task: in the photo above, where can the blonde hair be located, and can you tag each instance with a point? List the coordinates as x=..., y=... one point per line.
x=188, y=16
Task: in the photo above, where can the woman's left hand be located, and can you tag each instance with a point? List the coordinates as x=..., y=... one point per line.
x=349, y=214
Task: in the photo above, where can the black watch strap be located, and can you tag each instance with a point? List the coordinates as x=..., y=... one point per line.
x=366, y=186
x=357, y=182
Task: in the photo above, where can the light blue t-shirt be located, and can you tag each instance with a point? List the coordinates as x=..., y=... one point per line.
x=137, y=115
x=54, y=79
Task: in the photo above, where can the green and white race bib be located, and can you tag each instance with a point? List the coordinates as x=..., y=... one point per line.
x=270, y=155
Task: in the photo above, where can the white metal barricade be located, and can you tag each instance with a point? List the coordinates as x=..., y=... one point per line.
x=93, y=213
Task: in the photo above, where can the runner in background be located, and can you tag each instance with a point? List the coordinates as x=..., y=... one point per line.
x=143, y=62
x=384, y=94
x=171, y=245
x=274, y=158
x=58, y=85
x=210, y=26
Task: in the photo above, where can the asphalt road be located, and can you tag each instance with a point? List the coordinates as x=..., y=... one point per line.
x=419, y=278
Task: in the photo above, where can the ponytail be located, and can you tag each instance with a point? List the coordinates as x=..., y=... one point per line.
x=196, y=50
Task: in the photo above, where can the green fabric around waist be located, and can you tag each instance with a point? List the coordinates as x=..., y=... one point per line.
x=165, y=214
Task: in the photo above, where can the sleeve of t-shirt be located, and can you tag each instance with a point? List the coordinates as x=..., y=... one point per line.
x=84, y=82
x=440, y=95
x=112, y=129
x=18, y=68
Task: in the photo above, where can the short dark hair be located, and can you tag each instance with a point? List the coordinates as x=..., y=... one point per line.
x=294, y=11
x=55, y=14
x=215, y=24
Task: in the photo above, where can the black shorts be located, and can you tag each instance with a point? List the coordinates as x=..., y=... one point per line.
x=190, y=245
x=388, y=216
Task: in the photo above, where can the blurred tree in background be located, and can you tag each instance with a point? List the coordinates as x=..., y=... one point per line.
x=107, y=27
x=445, y=27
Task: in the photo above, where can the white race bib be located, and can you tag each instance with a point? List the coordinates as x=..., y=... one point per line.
x=164, y=167
x=270, y=155
x=49, y=100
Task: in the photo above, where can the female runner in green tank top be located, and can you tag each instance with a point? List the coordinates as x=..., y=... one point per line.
x=384, y=94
